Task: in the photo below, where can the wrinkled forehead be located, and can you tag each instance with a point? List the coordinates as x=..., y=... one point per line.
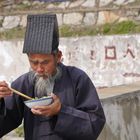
x=40, y=56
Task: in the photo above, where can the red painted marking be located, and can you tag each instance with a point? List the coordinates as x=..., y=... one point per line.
x=92, y=55
x=129, y=51
x=110, y=52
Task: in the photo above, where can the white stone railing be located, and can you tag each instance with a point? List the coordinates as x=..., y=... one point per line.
x=122, y=110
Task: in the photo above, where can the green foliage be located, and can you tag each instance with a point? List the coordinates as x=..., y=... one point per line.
x=19, y=131
x=1, y=21
x=106, y=28
x=22, y=6
x=137, y=29
x=125, y=27
x=15, y=33
x=68, y=31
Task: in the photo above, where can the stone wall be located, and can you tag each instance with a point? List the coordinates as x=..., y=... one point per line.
x=76, y=12
x=108, y=60
x=122, y=116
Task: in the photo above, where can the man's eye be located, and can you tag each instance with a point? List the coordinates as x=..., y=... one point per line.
x=44, y=62
x=35, y=63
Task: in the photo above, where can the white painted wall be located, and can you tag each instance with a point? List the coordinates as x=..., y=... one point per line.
x=108, y=60
x=12, y=62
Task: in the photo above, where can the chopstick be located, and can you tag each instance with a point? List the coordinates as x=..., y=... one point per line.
x=21, y=94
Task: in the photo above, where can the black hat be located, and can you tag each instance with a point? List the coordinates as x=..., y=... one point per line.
x=42, y=35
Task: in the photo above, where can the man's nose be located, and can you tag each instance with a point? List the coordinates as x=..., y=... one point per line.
x=39, y=68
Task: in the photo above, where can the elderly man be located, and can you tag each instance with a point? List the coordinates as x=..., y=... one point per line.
x=76, y=112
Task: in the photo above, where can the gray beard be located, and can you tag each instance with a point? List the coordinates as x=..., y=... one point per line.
x=44, y=86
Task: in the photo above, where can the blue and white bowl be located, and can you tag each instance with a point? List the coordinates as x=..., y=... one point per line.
x=39, y=102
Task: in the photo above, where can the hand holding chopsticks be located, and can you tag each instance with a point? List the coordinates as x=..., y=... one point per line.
x=21, y=94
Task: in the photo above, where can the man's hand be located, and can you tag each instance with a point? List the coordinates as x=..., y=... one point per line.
x=4, y=90
x=50, y=110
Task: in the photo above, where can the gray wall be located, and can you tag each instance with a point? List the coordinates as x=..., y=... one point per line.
x=122, y=117
x=99, y=56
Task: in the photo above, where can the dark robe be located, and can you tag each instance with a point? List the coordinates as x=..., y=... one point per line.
x=81, y=116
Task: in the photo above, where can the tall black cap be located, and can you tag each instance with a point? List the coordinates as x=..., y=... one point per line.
x=42, y=35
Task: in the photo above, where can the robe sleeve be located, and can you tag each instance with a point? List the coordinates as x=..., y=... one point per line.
x=12, y=107
x=10, y=117
x=2, y=108
x=86, y=120
x=10, y=114
x=2, y=113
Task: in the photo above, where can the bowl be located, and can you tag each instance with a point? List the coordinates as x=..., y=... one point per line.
x=39, y=102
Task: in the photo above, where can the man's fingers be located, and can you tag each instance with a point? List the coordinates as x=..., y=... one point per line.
x=37, y=112
x=5, y=93
x=54, y=96
x=48, y=110
x=4, y=84
x=41, y=107
x=40, y=112
x=4, y=89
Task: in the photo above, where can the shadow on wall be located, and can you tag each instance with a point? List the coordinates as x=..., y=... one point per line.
x=122, y=117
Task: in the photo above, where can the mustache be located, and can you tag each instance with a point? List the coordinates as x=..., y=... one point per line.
x=40, y=75
x=45, y=75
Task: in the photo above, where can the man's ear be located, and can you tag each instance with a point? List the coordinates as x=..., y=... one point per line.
x=59, y=56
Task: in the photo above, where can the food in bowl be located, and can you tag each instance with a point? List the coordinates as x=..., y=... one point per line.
x=46, y=100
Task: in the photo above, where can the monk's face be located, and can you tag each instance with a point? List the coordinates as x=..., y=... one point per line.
x=44, y=64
